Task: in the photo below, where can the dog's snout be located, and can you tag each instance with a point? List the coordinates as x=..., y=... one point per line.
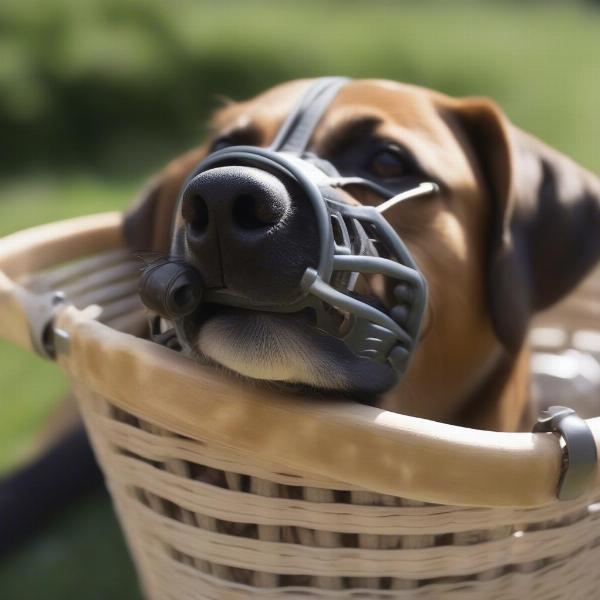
x=234, y=200
x=249, y=231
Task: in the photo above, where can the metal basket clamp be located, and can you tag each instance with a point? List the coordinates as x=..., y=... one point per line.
x=41, y=310
x=579, y=451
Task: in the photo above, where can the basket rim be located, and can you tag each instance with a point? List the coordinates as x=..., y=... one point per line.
x=374, y=449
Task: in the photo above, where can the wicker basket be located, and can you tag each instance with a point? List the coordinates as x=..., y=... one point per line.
x=227, y=491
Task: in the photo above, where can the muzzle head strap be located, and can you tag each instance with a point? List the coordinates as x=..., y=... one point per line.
x=296, y=131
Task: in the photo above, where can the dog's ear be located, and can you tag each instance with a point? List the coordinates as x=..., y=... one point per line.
x=148, y=222
x=545, y=217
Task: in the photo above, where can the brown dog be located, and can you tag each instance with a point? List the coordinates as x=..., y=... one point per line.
x=514, y=230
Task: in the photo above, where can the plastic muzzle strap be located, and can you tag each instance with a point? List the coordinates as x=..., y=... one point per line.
x=353, y=240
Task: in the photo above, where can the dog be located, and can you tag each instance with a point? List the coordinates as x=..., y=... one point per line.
x=513, y=229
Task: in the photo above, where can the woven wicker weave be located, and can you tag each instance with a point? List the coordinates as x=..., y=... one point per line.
x=205, y=519
x=206, y=522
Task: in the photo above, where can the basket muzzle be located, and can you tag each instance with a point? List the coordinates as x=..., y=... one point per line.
x=347, y=241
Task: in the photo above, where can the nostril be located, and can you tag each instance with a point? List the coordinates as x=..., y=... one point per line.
x=254, y=212
x=195, y=213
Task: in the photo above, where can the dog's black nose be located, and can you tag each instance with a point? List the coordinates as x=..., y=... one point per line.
x=237, y=199
x=245, y=231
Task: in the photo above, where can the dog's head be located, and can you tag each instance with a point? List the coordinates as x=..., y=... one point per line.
x=513, y=228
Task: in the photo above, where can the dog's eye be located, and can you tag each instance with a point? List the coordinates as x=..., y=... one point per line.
x=388, y=163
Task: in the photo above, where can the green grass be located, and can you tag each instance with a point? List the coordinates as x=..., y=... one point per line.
x=121, y=94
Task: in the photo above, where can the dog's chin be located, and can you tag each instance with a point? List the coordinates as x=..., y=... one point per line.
x=268, y=347
x=288, y=350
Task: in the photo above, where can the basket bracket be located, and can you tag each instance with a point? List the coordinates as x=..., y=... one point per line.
x=41, y=311
x=579, y=450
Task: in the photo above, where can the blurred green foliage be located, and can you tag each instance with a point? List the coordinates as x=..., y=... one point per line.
x=96, y=94
x=110, y=82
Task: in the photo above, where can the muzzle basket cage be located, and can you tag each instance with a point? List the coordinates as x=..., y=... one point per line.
x=229, y=491
x=365, y=244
